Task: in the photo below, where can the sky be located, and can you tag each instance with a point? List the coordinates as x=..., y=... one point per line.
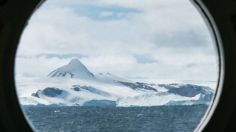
x=151, y=39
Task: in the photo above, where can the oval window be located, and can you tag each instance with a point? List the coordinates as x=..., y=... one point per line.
x=116, y=65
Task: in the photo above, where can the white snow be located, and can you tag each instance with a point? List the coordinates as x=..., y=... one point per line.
x=108, y=77
x=153, y=100
x=75, y=69
x=75, y=73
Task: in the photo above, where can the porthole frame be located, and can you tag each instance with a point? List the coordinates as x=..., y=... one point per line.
x=220, y=16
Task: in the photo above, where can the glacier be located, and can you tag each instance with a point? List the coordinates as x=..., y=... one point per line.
x=74, y=85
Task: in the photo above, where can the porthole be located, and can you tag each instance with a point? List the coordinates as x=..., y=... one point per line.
x=125, y=66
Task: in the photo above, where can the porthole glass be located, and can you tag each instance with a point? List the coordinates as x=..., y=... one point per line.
x=112, y=65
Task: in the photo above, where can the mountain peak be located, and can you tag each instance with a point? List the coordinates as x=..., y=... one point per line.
x=75, y=62
x=74, y=69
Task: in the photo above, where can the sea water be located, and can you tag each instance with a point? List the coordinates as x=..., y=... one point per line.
x=114, y=119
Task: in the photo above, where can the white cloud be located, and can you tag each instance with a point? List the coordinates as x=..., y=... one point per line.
x=172, y=33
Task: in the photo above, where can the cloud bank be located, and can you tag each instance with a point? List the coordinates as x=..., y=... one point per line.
x=156, y=39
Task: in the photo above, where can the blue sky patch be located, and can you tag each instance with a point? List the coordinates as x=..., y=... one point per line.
x=105, y=12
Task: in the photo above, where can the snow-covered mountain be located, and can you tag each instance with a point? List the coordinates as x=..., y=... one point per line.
x=108, y=77
x=74, y=84
x=75, y=69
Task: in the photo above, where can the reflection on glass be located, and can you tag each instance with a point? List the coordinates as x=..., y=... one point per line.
x=111, y=65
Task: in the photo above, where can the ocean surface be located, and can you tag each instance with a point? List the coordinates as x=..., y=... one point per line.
x=114, y=119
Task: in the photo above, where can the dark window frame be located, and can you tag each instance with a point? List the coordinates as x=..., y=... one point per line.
x=220, y=16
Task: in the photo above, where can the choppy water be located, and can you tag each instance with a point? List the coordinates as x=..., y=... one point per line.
x=129, y=119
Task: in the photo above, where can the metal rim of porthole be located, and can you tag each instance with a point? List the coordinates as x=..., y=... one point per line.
x=219, y=15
